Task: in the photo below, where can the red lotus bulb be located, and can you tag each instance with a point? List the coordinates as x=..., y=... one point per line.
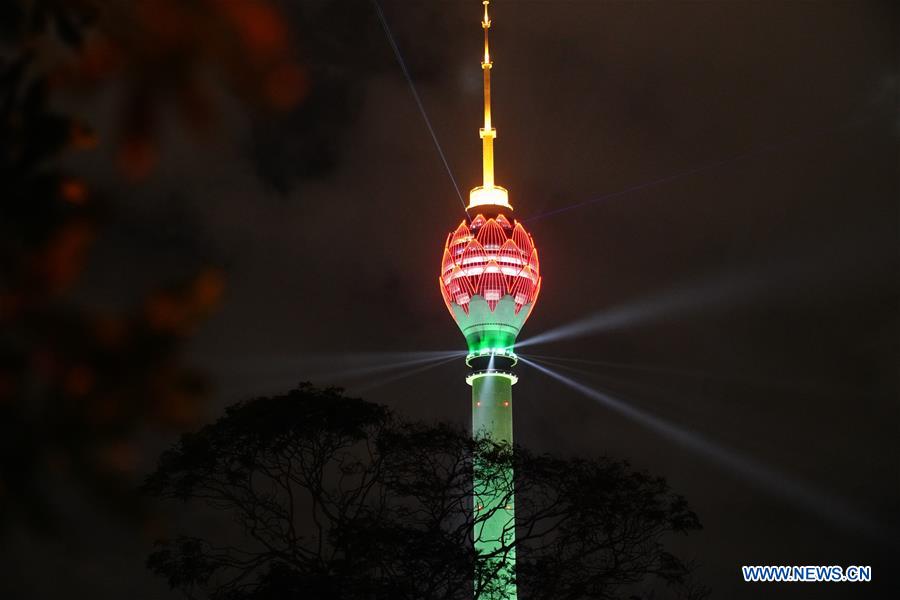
x=490, y=279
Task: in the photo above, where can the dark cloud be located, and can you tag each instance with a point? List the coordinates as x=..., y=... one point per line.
x=343, y=49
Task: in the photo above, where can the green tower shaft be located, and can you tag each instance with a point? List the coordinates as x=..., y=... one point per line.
x=495, y=531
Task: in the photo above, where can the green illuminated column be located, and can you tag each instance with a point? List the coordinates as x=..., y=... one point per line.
x=494, y=534
x=492, y=407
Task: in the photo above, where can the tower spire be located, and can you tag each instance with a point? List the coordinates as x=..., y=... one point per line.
x=487, y=193
x=488, y=133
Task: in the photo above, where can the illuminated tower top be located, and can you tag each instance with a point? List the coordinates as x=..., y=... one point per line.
x=490, y=280
x=487, y=194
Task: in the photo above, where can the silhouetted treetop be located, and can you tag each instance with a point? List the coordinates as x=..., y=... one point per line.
x=331, y=496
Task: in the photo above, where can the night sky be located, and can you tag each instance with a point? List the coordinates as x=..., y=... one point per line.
x=720, y=179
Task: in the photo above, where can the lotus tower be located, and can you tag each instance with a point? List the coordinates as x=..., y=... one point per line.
x=490, y=279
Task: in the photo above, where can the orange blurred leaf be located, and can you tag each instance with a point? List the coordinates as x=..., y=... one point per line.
x=63, y=258
x=73, y=191
x=137, y=157
x=82, y=137
x=286, y=86
x=259, y=26
x=78, y=381
x=207, y=290
x=119, y=456
x=166, y=313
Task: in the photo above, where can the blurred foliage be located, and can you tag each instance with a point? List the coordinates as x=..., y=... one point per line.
x=78, y=385
x=337, y=50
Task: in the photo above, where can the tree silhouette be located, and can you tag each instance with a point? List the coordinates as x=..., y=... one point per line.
x=335, y=497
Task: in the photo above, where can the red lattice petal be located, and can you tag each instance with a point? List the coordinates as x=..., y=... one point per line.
x=534, y=263
x=473, y=259
x=491, y=285
x=447, y=263
x=511, y=261
x=459, y=239
x=522, y=239
x=491, y=236
x=445, y=295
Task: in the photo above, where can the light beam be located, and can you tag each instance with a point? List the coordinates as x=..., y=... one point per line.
x=408, y=373
x=787, y=275
x=415, y=94
x=764, y=478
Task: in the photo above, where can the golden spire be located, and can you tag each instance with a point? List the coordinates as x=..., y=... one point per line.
x=487, y=193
